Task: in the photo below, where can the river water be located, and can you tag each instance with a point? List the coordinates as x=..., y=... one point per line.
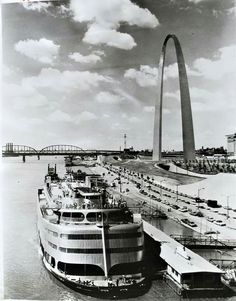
x=24, y=274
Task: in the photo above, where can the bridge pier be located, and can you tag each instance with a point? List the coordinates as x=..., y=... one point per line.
x=23, y=158
x=38, y=157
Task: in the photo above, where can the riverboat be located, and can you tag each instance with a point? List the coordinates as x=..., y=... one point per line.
x=89, y=239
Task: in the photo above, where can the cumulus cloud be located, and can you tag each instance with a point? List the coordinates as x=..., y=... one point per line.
x=105, y=17
x=145, y=77
x=85, y=116
x=206, y=100
x=66, y=80
x=171, y=71
x=134, y=119
x=64, y=10
x=127, y=96
x=86, y=59
x=59, y=116
x=109, y=98
x=231, y=11
x=23, y=96
x=106, y=116
x=42, y=7
x=37, y=6
x=43, y=50
x=31, y=121
x=222, y=64
x=6, y=71
x=196, y=1
x=97, y=35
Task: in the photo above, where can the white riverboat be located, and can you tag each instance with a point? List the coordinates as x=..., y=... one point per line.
x=90, y=241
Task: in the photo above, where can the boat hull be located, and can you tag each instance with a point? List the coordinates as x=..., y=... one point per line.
x=105, y=292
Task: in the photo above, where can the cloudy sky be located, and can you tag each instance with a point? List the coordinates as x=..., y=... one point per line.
x=85, y=72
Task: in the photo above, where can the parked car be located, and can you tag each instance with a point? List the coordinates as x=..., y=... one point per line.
x=227, y=208
x=175, y=207
x=211, y=232
x=200, y=214
x=185, y=221
x=201, y=207
x=183, y=209
x=219, y=223
x=210, y=219
x=223, y=213
x=192, y=224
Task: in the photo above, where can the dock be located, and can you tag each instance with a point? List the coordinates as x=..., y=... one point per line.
x=187, y=272
x=203, y=242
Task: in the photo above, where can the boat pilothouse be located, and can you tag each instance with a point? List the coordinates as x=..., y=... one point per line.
x=89, y=238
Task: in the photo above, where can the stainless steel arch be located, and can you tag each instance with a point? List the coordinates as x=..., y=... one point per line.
x=186, y=112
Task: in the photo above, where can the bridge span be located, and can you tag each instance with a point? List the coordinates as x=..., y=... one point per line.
x=12, y=150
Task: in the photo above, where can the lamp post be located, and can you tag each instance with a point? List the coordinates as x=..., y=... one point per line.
x=227, y=200
x=161, y=188
x=198, y=196
x=177, y=192
x=198, y=199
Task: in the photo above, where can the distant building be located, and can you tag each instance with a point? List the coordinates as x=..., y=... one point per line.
x=231, y=144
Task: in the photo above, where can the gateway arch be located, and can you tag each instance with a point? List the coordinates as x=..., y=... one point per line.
x=186, y=112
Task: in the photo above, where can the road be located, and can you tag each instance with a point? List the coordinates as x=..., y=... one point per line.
x=169, y=197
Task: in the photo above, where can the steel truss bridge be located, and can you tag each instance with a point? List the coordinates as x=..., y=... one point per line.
x=12, y=150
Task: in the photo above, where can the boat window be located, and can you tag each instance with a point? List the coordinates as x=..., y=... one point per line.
x=82, y=236
x=78, y=215
x=63, y=249
x=53, y=233
x=91, y=216
x=52, y=245
x=99, y=236
x=119, y=216
x=46, y=256
x=53, y=262
x=80, y=269
x=96, y=217
x=100, y=251
x=66, y=214
x=126, y=268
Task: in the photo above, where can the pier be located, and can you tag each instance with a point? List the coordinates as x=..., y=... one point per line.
x=186, y=271
x=203, y=242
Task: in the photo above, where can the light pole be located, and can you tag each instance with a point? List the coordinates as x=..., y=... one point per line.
x=177, y=192
x=198, y=199
x=227, y=200
x=161, y=188
x=198, y=196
